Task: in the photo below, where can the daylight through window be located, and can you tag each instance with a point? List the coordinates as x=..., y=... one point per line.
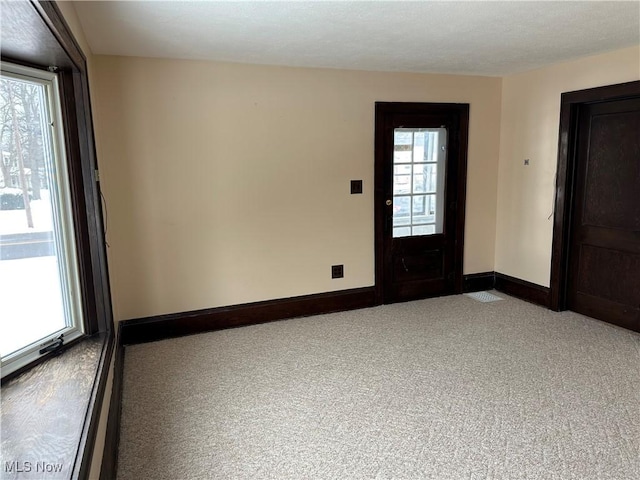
x=39, y=287
x=419, y=156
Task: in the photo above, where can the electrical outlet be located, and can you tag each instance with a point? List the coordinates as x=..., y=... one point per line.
x=356, y=186
x=337, y=271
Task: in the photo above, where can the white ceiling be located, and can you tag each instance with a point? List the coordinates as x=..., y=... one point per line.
x=470, y=37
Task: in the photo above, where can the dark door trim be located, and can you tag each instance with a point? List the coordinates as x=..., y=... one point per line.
x=571, y=102
x=381, y=110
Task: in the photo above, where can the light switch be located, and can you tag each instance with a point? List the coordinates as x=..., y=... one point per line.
x=356, y=186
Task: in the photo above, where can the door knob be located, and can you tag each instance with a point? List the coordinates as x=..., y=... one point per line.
x=388, y=202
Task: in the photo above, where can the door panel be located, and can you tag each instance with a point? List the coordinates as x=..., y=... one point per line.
x=420, y=184
x=604, y=257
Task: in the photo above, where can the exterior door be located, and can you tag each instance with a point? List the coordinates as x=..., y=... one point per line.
x=604, y=253
x=421, y=153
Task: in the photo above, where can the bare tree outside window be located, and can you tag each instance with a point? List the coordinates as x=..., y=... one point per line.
x=38, y=274
x=21, y=139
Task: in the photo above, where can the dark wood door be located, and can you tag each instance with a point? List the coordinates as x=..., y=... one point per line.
x=421, y=151
x=604, y=254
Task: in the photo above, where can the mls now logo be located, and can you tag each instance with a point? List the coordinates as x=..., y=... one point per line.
x=32, y=467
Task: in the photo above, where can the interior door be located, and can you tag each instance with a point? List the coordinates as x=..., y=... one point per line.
x=420, y=193
x=604, y=256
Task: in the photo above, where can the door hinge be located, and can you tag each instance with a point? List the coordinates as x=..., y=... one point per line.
x=96, y=173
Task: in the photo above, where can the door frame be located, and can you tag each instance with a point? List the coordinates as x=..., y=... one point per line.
x=570, y=106
x=381, y=110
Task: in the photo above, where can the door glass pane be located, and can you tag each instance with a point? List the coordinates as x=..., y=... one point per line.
x=418, y=181
x=402, y=179
x=403, y=143
x=401, y=211
x=424, y=209
x=401, y=232
x=425, y=178
x=424, y=230
x=38, y=281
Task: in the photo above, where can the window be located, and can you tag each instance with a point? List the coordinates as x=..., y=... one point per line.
x=39, y=279
x=35, y=33
x=419, y=156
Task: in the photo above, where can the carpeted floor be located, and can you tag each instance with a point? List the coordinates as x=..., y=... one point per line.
x=446, y=388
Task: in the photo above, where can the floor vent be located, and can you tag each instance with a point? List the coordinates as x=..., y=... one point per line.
x=483, y=297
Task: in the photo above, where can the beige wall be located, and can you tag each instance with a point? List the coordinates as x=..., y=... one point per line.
x=529, y=129
x=71, y=17
x=69, y=12
x=229, y=183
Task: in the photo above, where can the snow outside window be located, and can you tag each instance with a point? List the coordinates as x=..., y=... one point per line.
x=40, y=298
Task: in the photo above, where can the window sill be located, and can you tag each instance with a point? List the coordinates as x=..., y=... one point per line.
x=49, y=414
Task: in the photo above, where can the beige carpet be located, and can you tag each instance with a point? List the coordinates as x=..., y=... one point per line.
x=446, y=388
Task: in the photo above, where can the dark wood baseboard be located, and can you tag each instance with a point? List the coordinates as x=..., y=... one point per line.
x=477, y=282
x=159, y=327
x=178, y=324
x=523, y=290
x=109, y=466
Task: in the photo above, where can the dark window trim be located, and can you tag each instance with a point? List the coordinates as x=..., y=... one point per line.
x=35, y=33
x=48, y=27
x=570, y=104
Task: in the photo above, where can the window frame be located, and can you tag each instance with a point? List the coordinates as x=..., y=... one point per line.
x=58, y=48
x=34, y=33
x=64, y=231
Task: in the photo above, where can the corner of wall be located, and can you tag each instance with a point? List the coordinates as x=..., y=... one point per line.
x=530, y=114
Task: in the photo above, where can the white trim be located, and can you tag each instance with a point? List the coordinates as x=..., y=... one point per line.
x=63, y=227
x=441, y=198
